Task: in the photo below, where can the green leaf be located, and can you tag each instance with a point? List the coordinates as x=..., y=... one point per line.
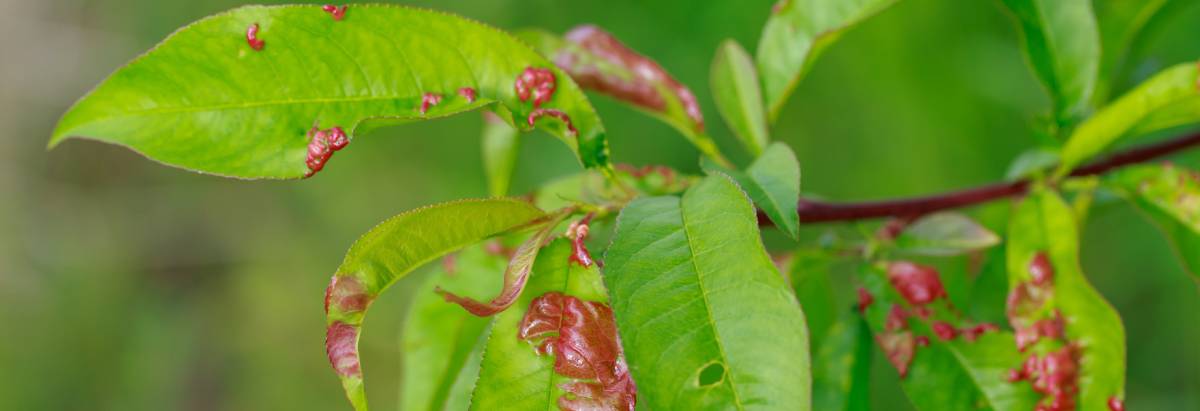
x=945, y=234
x=773, y=182
x=953, y=374
x=599, y=61
x=440, y=339
x=204, y=100
x=1032, y=162
x=1168, y=99
x=1170, y=196
x=1062, y=44
x=706, y=320
x=796, y=33
x=500, y=149
x=842, y=367
x=392, y=250
x=736, y=92
x=1043, y=225
x=512, y=375
x=809, y=273
x=1120, y=24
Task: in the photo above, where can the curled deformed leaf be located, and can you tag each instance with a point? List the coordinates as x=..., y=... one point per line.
x=205, y=100
x=945, y=234
x=1170, y=196
x=392, y=250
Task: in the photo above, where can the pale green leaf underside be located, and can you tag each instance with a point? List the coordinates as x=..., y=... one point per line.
x=1170, y=196
x=512, y=375
x=773, y=182
x=439, y=338
x=204, y=100
x=1044, y=223
x=738, y=97
x=501, y=144
x=1062, y=44
x=396, y=247
x=692, y=290
x=1168, y=99
x=945, y=234
x=796, y=34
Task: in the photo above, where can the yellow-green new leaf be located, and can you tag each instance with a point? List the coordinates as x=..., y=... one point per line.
x=737, y=95
x=1170, y=196
x=207, y=99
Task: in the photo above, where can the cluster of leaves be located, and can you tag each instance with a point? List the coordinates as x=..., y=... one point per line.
x=686, y=309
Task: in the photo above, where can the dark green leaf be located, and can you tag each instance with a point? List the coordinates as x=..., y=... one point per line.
x=500, y=148
x=1120, y=22
x=512, y=375
x=945, y=234
x=1168, y=99
x=1170, y=196
x=773, y=182
x=1043, y=227
x=842, y=367
x=392, y=250
x=796, y=33
x=738, y=97
x=1062, y=44
x=203, y=99
x=809, y=274
x=706, y=320
x=439, y=339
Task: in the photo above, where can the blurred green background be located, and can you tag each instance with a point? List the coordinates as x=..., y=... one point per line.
x=127, y=285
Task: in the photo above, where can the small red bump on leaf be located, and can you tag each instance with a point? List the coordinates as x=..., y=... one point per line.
x=922, y=312
x=429, y=100
x=321, y=145
x=341, y=345
x=337, y=138
x=1041, y=270
x=1015, y=375
x=922, y=341
x=973, y=333
x=944, y=330
x=536, y=83
x=864, y=299
x=467, y=93
x=543, y=112
x=918, y=284
x=346, y=294
x=1115, y=404
x=578, y=232
x=337, y=12
x=897, y=319
x=899, y=348
x=252, y=37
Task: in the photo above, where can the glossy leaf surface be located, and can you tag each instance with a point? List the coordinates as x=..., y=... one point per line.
x=205, y=100
x=1170, y=196
x=1062, y=44
x=773, y=182
x=1043, y=227
x=706, y=320
x=945, y=234
x=1170, y=98
x=512, y=375
x=795, y=34
x=738, y=97
x=394, y=249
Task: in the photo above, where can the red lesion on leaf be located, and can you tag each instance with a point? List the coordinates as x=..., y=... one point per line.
x=944, y=330
x=321, y=146
x=1115, y=404
x=578, y=233
x=467, y=93
x=252, y=38
x=647, y=76
x=973, y=333
x=899, y=348
x=582, y=337
x=918, y=284
x=549, y=112
x=536, y=83
x=346, y=294
x=1040, y=269
x=1055, y=375
x=864, y=299
x=1053, y=372
x=429, y=100
x=337, y=12
x=341, y=345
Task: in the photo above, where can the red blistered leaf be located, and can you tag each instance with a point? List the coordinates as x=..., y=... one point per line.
x=341, y=344
x=918, y=284
x=346, y=294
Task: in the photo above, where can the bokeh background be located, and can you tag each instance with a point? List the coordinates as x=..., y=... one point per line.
x=127, y=285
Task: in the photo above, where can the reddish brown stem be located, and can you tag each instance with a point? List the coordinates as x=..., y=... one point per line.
x=814, y=211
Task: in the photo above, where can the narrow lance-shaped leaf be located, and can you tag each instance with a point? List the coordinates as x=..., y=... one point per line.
x=599, y=61
x=796, y=33
x=738, y=97
x=516, y=275
x=557, y=347
x=500, y=148
x=392, y=250
x=945, y=234
x=1120, y=23
x=945, y=361
x=1170, y=196
x=773, y=182
x=1170, y=98
x=440, y=339
x=1073, y=339
x=842, y=367
x=278, y=101
x=1063, y=46
x=706, y=320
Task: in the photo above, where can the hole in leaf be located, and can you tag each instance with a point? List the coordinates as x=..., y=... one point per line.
x=712, y=374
